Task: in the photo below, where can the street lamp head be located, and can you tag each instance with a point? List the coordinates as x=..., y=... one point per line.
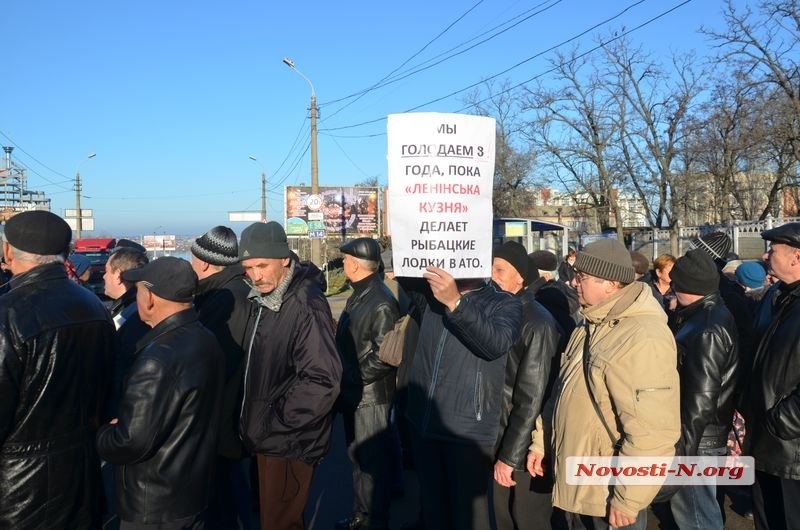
x=253, y=157
x=288, y=62
x=91, y=155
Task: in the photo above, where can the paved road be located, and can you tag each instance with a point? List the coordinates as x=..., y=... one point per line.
x=331, y=491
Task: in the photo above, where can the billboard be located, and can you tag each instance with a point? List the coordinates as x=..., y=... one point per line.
x=158, y=242
x=334, y=210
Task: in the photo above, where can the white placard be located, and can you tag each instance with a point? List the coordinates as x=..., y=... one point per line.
x=441, y=171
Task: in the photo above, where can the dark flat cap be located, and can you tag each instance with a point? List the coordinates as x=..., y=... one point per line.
x=169, y=277
x=127, y=243
x=544, y=260
x=788, y=234
x=38, y=232
x=363, y=248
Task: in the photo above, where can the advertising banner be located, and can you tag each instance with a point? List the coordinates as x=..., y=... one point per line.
x=441, y=171
x=158, y=242
x=332, y=211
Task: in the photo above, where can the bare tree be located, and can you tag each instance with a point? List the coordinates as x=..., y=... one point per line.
x=765, y=45
x=575, y=128
x=514, y=160
x=658, y=104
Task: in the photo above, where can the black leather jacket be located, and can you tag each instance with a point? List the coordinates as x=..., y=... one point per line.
x=55, y=353
x=528, y=371
x=165, y=442
x=370, y=312
x=773, y=409
x=708, y=361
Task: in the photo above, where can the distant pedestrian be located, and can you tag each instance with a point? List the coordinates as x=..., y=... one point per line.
x=55, y=352
x=565, y=270
x=292, y=375
x=164, y=441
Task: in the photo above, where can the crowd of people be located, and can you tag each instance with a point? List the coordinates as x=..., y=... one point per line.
x=205, y=388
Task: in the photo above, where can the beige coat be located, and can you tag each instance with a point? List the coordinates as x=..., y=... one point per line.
x=634, y=378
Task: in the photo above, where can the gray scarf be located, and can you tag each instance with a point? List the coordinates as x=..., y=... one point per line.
x=274, y=300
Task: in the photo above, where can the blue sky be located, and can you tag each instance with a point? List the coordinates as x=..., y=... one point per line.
x=174, y=96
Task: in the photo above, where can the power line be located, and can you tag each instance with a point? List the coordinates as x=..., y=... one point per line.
x=429, y=64
x=582, y=33
x=59, y=184
x=368, y=90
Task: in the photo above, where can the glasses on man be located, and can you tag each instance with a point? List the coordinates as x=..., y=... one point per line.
x=580, y=276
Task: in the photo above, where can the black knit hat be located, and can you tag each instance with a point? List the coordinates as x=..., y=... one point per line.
x=263, y=240
x=695, y=273
x=218, y=246
x=715, y=244
x=608, y=259
x=38, y=232
x=517, y=256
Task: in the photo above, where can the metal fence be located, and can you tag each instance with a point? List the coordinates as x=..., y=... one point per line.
x=746, y=237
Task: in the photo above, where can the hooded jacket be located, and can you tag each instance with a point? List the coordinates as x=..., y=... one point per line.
x=55, y=360
x=292, y=372
x=634, y=380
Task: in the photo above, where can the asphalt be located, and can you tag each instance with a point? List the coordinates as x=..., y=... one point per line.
x=331, y=490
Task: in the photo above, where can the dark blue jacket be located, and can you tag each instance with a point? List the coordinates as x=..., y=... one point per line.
x=455, y=389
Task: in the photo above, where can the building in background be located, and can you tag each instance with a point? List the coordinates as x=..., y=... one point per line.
x=15, y=196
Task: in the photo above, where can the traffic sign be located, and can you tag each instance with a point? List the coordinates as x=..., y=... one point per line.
x=316, y=234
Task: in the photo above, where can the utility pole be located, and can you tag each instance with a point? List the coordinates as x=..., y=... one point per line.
x=79, y=217
x=316, y=244
x=263, y=188
x=78, y=213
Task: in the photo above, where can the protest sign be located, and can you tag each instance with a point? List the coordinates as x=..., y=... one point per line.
x=441, y=171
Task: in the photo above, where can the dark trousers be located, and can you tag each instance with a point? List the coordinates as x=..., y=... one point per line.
x=453, y=483
x=574, y=521
x=776, y=502
x=526, y=506
x=370, y=448
x=283, y=486
x=188, y=523
x=231, y=506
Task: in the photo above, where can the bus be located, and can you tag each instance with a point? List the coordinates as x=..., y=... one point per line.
x=533, y=234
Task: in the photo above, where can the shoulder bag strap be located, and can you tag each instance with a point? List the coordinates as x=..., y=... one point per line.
x=597, y=410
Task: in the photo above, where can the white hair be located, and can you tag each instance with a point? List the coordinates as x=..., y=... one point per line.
x=38, y=259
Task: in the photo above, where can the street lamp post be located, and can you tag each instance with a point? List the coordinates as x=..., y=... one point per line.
x=263, y=189
x=315, y=243
x=78, y=216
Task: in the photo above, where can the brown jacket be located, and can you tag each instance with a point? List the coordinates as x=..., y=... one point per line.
x=634, y=379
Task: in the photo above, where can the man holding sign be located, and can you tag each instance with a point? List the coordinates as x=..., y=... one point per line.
x=440, y=180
